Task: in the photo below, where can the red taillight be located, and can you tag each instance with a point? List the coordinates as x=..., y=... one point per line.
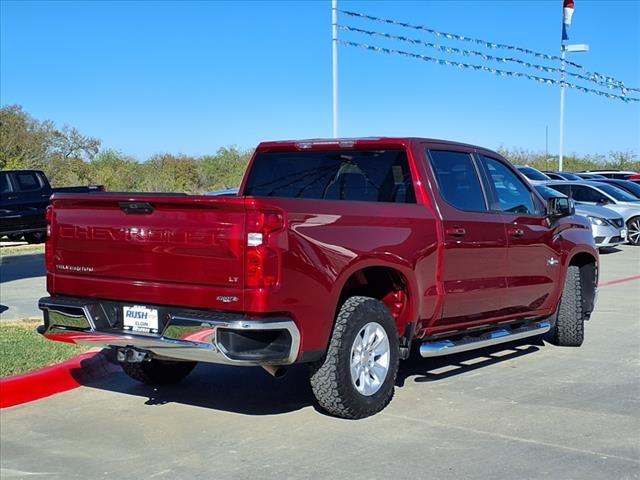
x=48, y=248
x=262, y=259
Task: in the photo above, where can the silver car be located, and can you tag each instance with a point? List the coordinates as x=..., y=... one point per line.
x=607, y=227
x=604, y=195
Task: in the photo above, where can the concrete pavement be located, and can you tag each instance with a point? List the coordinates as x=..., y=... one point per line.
x=22, y=283
x=527, y=410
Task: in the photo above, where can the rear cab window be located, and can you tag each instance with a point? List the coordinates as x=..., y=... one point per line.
x=458, y=180
x=356, y=175
x=27, y=181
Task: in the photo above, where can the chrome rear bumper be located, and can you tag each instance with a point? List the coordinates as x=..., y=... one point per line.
x=186, y=334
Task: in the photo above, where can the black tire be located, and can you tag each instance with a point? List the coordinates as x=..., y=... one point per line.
x=568, y=329
x=35, y=237
x=15, y=237
x=633, y=231
x=158, y=372
x=331, y=377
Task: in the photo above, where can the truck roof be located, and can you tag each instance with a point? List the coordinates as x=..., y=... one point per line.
x=346, y=142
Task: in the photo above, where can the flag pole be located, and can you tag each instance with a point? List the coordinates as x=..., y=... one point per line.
x=561, y=141
x=334, y=61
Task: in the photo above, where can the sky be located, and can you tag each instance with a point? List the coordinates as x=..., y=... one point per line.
x=191, y=77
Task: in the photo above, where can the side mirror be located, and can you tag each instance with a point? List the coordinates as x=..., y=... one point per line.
x=604, y=201
x=558, y=207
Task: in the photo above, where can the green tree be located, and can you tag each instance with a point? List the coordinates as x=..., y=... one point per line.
x=170, y=173
x=23, y=141
x=225, y=169
x=117, y=172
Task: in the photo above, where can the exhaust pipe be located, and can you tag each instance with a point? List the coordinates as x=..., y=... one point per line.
x=276, y=371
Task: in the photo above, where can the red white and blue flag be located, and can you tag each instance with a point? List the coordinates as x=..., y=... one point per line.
x=567, y=13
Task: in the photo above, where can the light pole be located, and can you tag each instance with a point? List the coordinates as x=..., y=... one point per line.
x=334, y=61
x=580, y=47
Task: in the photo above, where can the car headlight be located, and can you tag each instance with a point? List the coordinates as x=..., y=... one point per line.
x=597, y=220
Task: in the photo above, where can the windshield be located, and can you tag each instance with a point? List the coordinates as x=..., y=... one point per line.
x=617, y=193
x=533, y=174
x=634, y=188
x=547, y=192
x=570, y=176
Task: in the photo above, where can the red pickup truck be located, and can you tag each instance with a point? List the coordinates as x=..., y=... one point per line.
x=342, y=254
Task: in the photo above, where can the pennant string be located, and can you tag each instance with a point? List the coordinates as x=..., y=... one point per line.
x=483, y=68
x=599, y=78
x=446, y=49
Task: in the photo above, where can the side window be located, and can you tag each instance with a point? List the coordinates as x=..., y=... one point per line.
x=582, y=193
x=564, y=189
x=458, y=180
x=27, y=181
x=513, y=195
x=5, y=186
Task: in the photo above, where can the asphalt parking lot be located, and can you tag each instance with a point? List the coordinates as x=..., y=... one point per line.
x=527, y=410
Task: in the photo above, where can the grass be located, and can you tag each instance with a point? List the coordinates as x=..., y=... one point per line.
x=22, y=349
x=21, y=250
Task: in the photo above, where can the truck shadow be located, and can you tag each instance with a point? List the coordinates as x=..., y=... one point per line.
x=18, y=267
x=440, y=368
x=251, y=391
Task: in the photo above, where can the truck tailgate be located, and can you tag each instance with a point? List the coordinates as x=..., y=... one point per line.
x=161, y=243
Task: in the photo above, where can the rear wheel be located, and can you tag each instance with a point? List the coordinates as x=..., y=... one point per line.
x=158, y=372
x=568, y=330
x=35, y=237
x=633, y=231
x=356, y=378
x=15, y=237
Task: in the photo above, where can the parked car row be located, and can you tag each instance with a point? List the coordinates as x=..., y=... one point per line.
x=610, y=203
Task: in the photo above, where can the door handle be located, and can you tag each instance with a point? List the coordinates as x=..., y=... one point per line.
x=456, y=231
x=12, y=197
x=516, y=232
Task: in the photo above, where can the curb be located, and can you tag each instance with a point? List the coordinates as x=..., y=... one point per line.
x=62, y=377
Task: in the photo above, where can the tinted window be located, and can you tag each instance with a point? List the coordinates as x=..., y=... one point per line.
x=630, y=187
x=564, y=189
x=368, y=175
x=27, y=181
x=458, y=180
x=617, y=193
x=5, y=186
x=547, y=192
x=554, y=176
x=533, y=174
x=513, y=195
x=583, y=193
x=570, y=176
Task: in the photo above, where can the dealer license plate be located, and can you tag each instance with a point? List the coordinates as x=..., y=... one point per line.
x=140, y=319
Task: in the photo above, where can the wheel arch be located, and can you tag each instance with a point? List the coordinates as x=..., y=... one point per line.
x=392, y=285
x=587, y=263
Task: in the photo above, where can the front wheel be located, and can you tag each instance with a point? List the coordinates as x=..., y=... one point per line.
x=633, y=231
x=356, y=377
x=568, y=329
x=158, y=372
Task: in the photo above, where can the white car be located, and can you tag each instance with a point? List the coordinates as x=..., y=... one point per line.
x=607, y=227
x=593, y=192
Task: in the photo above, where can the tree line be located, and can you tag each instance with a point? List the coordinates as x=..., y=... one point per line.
x=71, y=158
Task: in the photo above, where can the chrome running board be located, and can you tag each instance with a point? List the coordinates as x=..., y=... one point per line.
x=493, y=337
